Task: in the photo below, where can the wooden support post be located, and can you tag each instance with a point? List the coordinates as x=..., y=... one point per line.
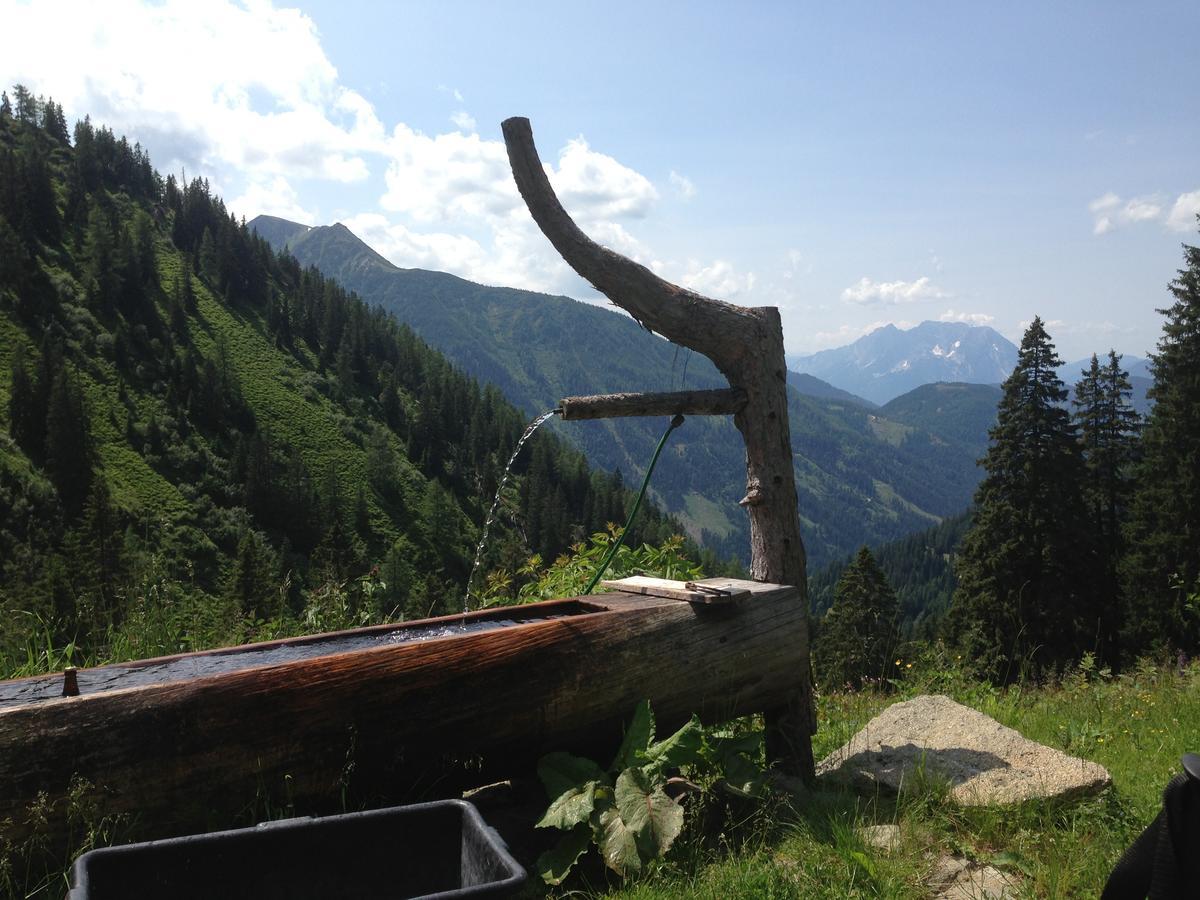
x=746, y=345
x=723, y=402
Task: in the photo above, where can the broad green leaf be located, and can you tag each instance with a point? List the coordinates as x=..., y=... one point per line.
x=681, y=748
x=744, y=776
x=638, y=736
x=748, y=743
x=554, y=865
x=618, y=845
x=561, y=771
x=653, y=817
x=574, y=806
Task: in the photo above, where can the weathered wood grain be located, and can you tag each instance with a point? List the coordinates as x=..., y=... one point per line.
x=746, y=345
x=191, y=755
x=723, y=402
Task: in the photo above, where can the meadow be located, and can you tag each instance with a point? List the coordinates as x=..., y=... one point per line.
x=1136, y=724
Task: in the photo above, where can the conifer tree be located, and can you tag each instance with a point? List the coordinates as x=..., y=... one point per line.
x=1161, y=570
x=68, y=443
x=1108, y=430
x=1023, y=595
x=860, y=632
x=26, y=423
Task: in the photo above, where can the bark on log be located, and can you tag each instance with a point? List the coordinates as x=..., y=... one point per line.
x=724, y=402
x=194, y=754
x=746, y=345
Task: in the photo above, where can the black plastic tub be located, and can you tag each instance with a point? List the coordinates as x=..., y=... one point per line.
x=441, y=849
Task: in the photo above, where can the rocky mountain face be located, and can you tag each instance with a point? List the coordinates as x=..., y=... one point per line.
x=888, y=362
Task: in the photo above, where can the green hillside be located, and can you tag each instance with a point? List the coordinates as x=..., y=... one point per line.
x=960, y=413
x=919, y=567
x=197, y=431
x=862, y=477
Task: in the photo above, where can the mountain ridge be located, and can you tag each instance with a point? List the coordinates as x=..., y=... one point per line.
x=890, y=361
x=859, y=476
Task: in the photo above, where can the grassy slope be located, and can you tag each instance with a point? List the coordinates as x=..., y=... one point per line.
x=538, y=348
x=1137, y=726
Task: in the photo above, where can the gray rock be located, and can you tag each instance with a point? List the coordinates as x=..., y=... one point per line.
x=957, y=878
x=881, y=837
x=983, y=762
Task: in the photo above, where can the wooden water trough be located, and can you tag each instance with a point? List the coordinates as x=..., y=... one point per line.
x=187, y=743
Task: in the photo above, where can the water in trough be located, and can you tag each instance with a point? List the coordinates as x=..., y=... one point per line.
x=233, y=659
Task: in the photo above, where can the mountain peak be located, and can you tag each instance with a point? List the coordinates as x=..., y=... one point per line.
x=890, y=361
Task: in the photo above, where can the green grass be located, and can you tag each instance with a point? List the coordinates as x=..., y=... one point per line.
x=1137, y=725
x=703, y=513
x=807, y=845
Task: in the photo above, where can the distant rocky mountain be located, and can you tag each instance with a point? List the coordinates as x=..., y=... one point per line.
x=889, y=361
x=861, y=477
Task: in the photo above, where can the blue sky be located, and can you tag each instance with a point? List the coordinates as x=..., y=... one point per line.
x=853, y=164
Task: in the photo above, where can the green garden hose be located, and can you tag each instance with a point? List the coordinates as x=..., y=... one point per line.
x=612, y=551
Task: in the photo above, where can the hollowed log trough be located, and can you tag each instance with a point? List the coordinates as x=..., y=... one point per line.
x=223, y=736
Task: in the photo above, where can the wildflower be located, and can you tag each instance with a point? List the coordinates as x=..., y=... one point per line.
x=898, y=662
x=908, y=666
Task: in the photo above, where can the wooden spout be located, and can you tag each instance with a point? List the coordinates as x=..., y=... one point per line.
x=725, y=402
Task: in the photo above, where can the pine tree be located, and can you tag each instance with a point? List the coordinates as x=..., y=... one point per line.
x=68, y=443
x=859, y=633
x=1108, y=430
x=1161, y=570
x=26, y=422
x=1023, y=595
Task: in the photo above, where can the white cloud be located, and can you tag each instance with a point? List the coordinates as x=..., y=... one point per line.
x=973, y=318
x=717, y=279
x=1184, y=211
x=1108, y=212
x=272, y=114
x=271, y=105
x=683, y=185
x=594, y=185
x=797, y=265
x=463, y=121
x=1141, y=209
x=272, y=197
x=867, y=292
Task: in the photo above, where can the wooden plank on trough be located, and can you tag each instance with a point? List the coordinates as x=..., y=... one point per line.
x=709, y=591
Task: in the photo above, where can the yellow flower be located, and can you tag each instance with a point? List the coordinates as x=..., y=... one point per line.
x=908, y=666
x=897, y=662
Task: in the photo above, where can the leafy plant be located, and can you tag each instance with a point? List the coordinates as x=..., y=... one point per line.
x=626, y=810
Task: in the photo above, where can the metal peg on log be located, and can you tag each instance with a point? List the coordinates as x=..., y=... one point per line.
x=70, y=682
x=723, y=402
x=745, y=343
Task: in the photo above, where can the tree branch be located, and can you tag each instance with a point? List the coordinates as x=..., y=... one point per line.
x=719, y=330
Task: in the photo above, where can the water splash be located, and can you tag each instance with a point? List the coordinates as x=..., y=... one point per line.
x=487, y=523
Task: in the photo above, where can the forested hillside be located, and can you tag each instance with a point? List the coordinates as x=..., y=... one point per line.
x=919, y=568
x=861, y=477
x=195, y=431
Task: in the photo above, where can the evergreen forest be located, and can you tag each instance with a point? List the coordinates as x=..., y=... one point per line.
x=1082, y=538
x=202, y=442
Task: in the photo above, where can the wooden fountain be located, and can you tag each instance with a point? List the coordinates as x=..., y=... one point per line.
x=308, y=725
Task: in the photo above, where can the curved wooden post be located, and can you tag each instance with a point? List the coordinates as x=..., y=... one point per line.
x=746, y=345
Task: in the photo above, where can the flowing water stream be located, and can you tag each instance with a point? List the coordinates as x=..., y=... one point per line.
x=487, y=523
